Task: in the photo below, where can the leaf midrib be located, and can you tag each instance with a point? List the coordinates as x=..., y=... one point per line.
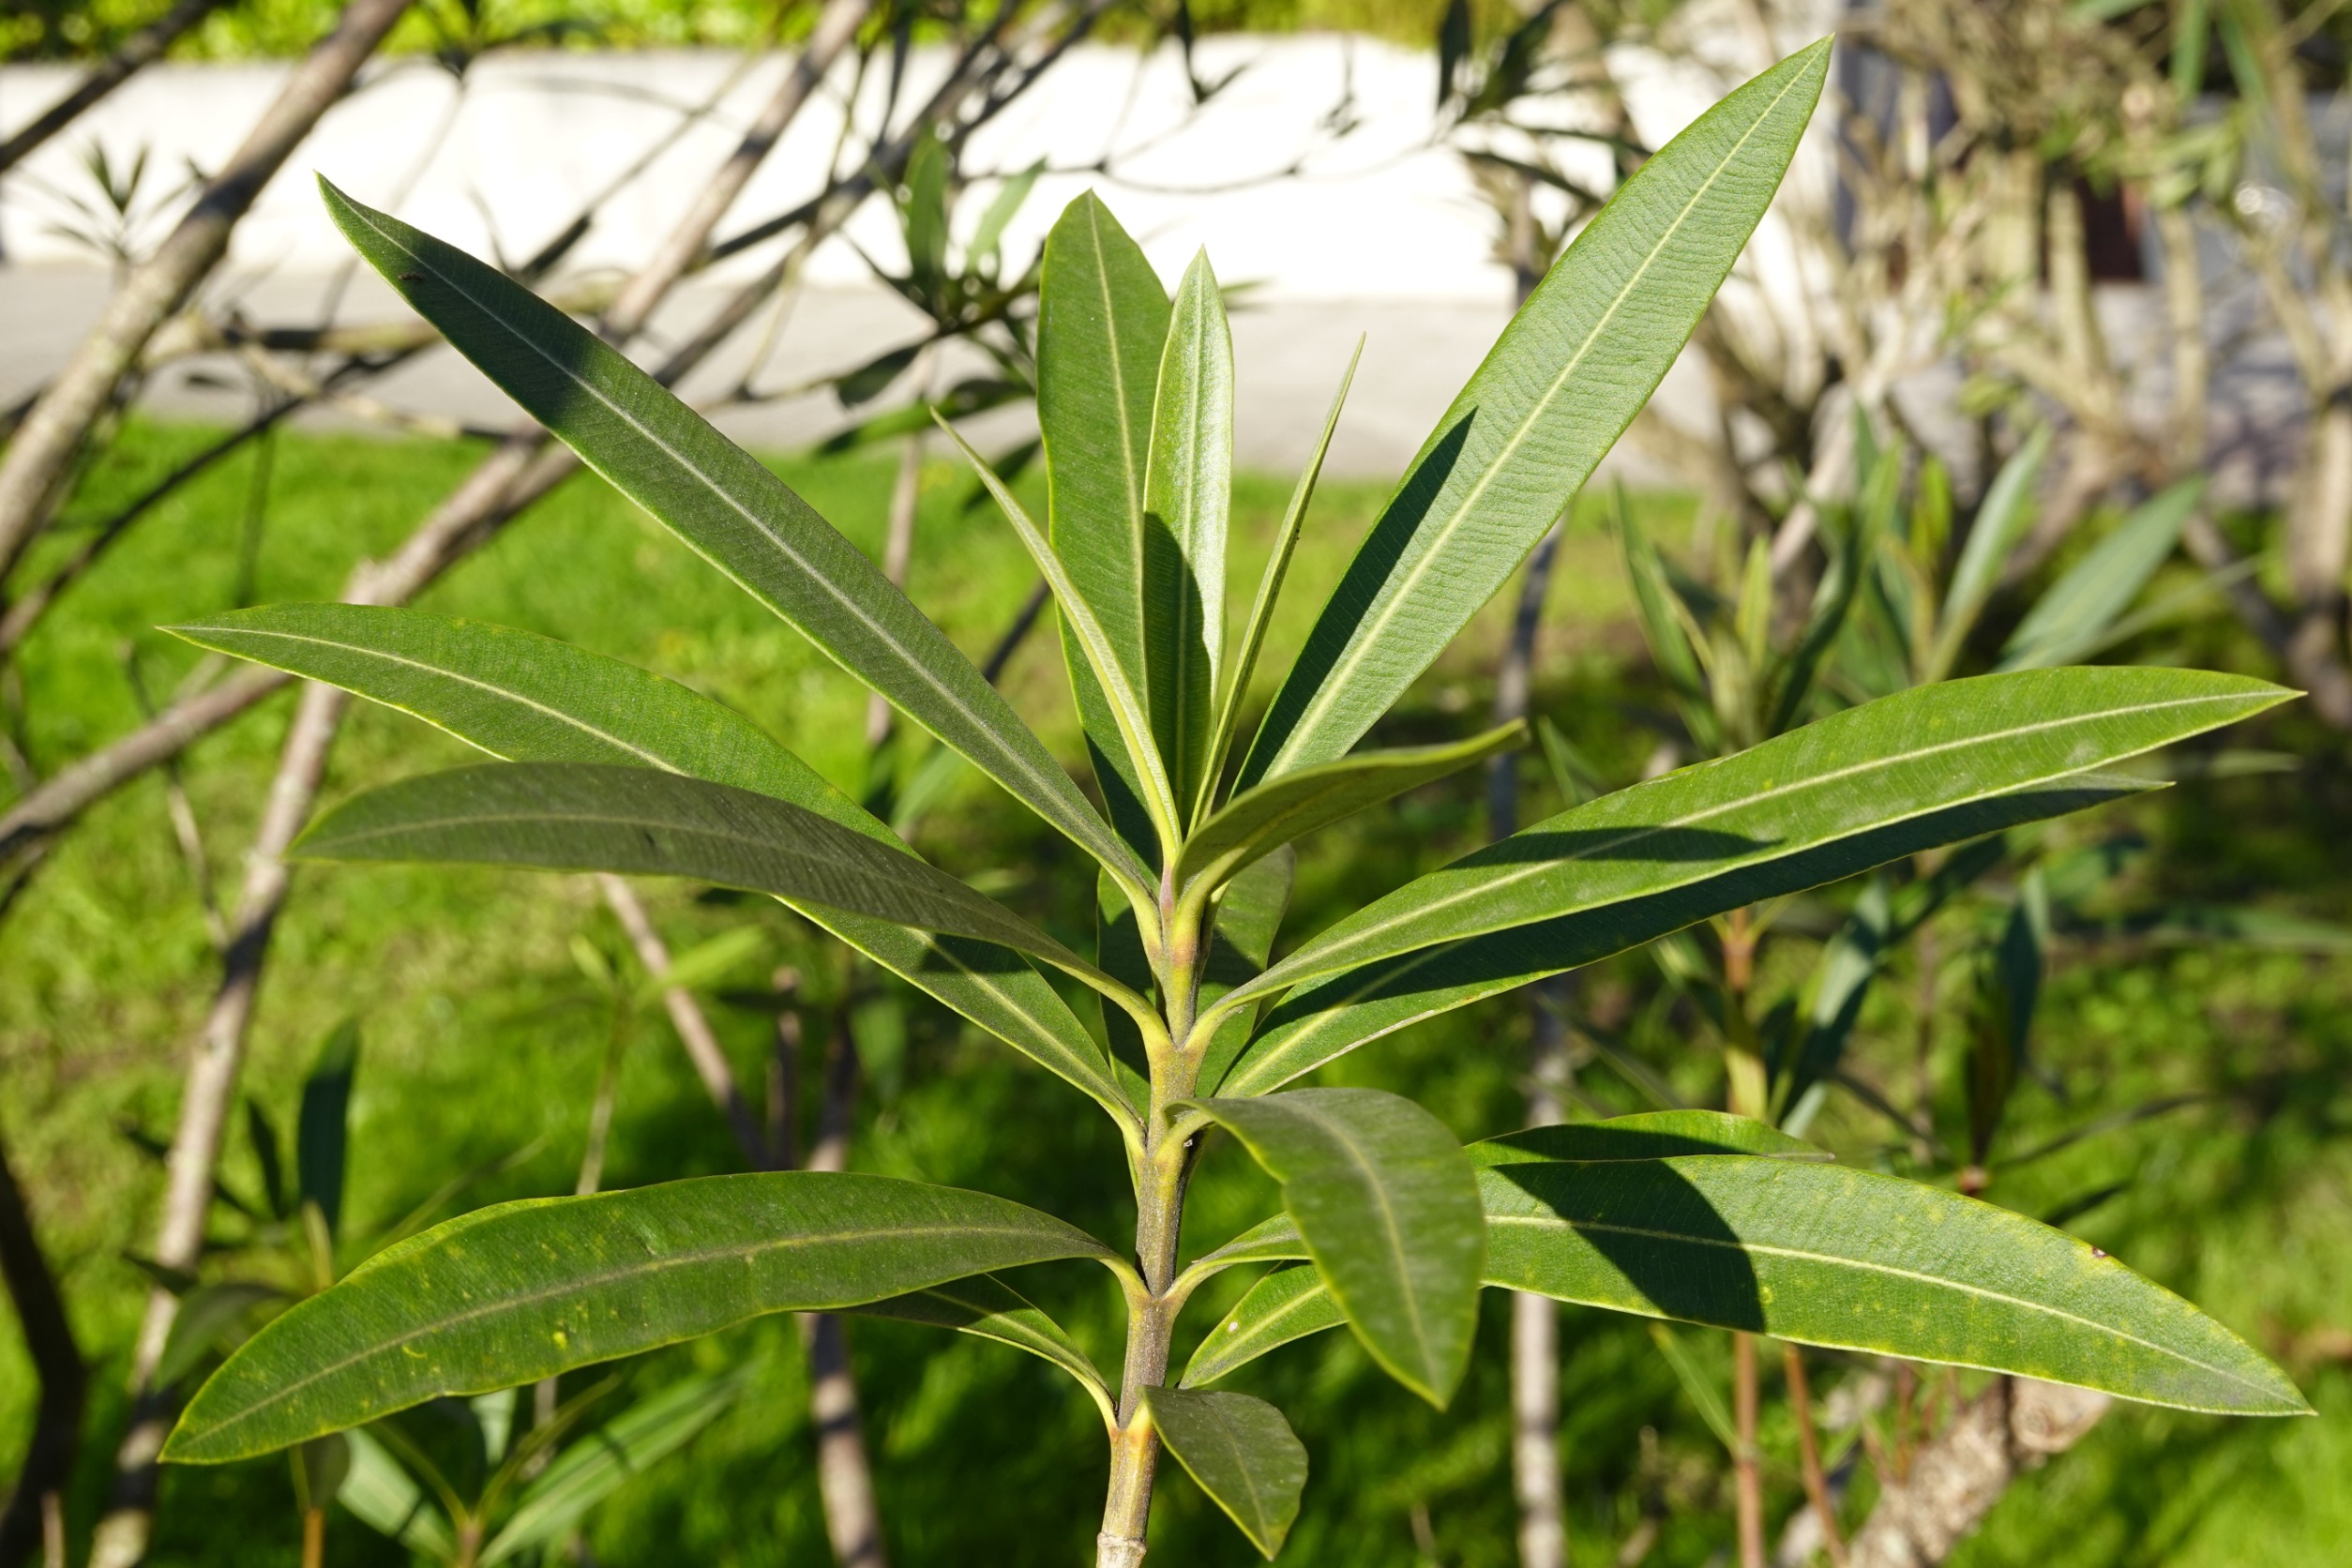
x=1359, y=644
x=1053, y=784
x=1274, y=978
x=611, y=1277
x=1863, y=1265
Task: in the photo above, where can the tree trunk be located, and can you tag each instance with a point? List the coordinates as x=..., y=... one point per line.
x=2012, y=1427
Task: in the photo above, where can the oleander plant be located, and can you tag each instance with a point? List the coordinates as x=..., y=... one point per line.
x=1389, y=1226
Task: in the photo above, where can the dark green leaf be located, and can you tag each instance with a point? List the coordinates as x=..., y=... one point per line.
x=521, y=1291
x=322, y=1134
x=1568, y=375
x=1389, y=1210
x=1647, y=1136
x=722, y=501
x=1243, y=1453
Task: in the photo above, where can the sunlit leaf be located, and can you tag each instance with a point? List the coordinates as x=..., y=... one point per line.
x=1243, y=1453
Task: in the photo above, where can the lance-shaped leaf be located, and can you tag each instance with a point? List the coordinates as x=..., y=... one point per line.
x=1289, y=1303
x=593, y=1468
x=1826, y=1255
x=1243, y=1453
x=1286, y=542
x=1649, y=1135
x=730, y=509
x=1389, y=1211
x=2000, y=522
x=2070, y=621
x=1567, y=376
x=1187, y=493
x=387, y=1500
x=1249, y=913
x=1855, y=774
x=987, y=1309
x=1102, y=326
x=521, y=1291
x=322, y=1130
x=584, y=816
x=531, y=699
x=1297, y=804
x=1322, y=1021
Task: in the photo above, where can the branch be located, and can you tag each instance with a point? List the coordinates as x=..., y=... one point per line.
x=41, y=456
x=2012, y=1427
x=141, y=50
x=65, y=1381
x=685, y=1016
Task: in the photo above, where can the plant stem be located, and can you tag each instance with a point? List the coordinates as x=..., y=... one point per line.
x=1747, y=1480
x=1809, y=1454
x=313, y=1538
x=64, y=1378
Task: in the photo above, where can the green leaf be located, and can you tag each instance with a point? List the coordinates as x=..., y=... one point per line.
x=1826, y=1255
x=1388, y=1208
x=1289, y=1303
x=1120, y=697
x=987, y=1309
x=1851, y=776
x=584, y=816
x=323, y=1131
x=1270, y=1241
x=602, y=1463
x=1286, y=542
x=531, y=699
x=384, y=1497
x=1647, y=1136
x=2068, y=623
x=989, y=234
x=1101, y=324
x=1187, y=494
x=1249, y=913
x=206, y=1313
x=2001, y=518
x=1567, y=376
x=1287, y=808
x=923, y=213
x=521, y=1291
x=1697, y=1385
x=723, y=503
x=1243, y=1453
x=1336, y=1017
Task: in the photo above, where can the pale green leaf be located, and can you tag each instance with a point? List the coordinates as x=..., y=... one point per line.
x=1187, y=493
x=385, y=1498
x=1567, y=376
x=602, y=1463
x=1284, y=809
x=1286, y=542
x=521, y=1291
x=1243, y=1453
x=1826, y=1255
x=987, y=1309
x=1388, y=1208
x=1845, y=780
x=2066, y=623
x=723, y=503
x=1334, y=1017
x=2001, y=519
x=1289, y=1303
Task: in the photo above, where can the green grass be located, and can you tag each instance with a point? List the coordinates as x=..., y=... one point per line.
x=482, y=1039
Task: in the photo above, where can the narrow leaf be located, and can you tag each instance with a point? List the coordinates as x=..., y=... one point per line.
x=2001, y=518
x=322, y=1131
x=1854, y=774
x=1286, y=542
x=723, y=503
x=1647, y=1135
x=1388, y=1208
x=1287, y=808
x=1187, y=494
x=579, y=816
x=1567, y=376
x=1330, y=1018
x=1826, y=1255
x=1289, y=1303
x=531, y=699
x=986, y=1308
x=385, y=1498
x=602, y=1463
x=1249, y=913
x=521, y=1291
x=2069, y=621
x=1243, y=1453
